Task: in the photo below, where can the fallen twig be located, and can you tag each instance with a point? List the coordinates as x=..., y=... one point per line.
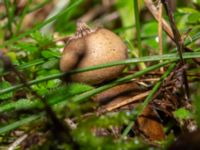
x=179, y=43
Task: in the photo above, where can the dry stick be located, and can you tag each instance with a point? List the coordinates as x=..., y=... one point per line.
x=160, y=32
x=14, y=145
x=113, y=105
x=149, y=4
x=179, y=43
x=177, y=37
x=56, y=122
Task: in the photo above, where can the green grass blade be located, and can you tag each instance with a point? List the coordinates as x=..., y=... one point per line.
x=137, y=22
x=124, y=62
x=19, y=123
x=86, y=95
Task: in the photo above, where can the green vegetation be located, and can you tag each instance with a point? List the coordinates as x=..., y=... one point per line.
x=42, y=104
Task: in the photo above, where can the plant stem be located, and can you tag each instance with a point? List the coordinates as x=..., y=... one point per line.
x=179, y=44
x=21, y=18
x=9, y=14
x=138, y=31
x=137, y=22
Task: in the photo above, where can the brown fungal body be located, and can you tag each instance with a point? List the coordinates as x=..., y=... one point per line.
x=93, y=47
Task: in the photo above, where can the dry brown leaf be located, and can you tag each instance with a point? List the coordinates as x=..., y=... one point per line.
x=130, y=99
x=149, y=125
